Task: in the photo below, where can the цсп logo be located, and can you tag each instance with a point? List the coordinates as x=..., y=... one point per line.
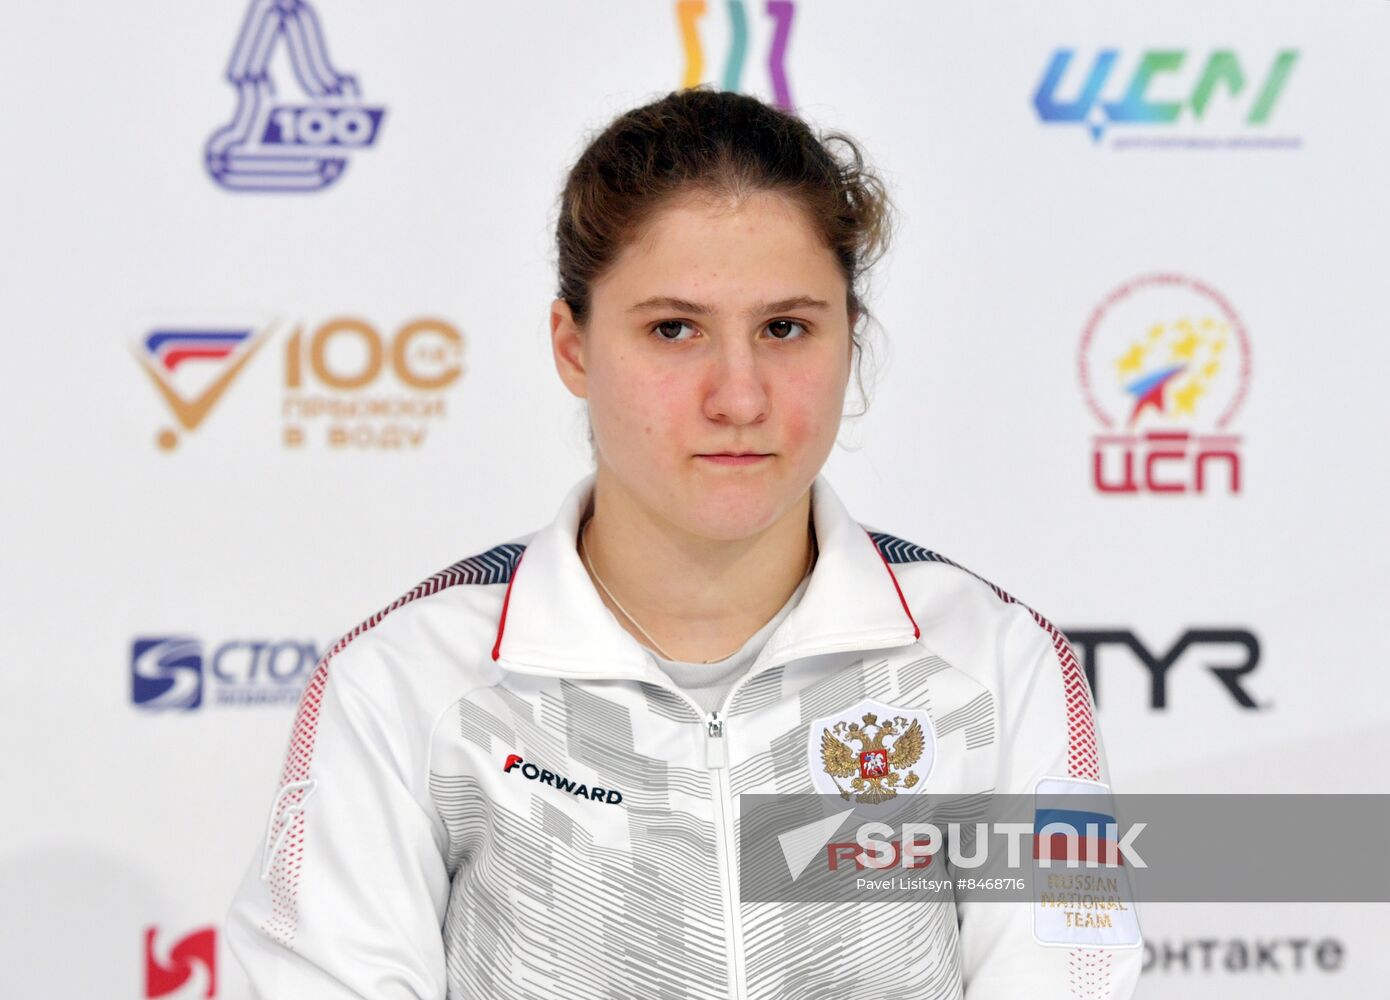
x=1164, y=367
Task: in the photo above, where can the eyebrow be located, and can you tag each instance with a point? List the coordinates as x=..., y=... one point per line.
x=696, y=309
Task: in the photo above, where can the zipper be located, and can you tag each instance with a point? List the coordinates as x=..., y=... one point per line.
x=717, y=763
x=717, y=760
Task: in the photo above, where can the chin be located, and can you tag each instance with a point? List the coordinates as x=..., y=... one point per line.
x=731, y=510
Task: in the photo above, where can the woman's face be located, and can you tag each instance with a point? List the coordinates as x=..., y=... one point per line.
x=720, y=330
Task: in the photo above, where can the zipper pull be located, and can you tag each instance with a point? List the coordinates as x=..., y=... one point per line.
x=716, y=756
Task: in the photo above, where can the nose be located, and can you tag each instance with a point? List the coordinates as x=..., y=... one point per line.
x=736, y=392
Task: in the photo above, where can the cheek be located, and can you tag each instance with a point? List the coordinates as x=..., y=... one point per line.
x=812, y=402
x=643, y=406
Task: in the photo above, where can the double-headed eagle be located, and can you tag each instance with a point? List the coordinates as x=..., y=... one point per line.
x=873, y=770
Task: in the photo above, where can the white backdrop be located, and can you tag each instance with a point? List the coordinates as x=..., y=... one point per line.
x=132, y=811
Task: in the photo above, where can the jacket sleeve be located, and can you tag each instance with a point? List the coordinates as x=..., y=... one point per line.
x=1048, y=740
x=346, y=894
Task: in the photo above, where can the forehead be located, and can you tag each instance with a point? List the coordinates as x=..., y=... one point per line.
x=744, y=216
x=763, y=245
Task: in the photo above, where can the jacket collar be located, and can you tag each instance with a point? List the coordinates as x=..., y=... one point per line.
x=554, y=622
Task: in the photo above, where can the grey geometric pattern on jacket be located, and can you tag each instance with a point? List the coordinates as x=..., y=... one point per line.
x=534, y=899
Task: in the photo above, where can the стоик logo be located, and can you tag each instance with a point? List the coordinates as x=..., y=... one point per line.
x=167, y=673
x=171, y=673
x=780, y=12
x=1164, y=367
x=217, y=356
x=1157, y=93
x=270, y=145
x=196, y=949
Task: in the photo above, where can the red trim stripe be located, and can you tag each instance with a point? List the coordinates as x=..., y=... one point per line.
x=506, y=599
x=916, y=632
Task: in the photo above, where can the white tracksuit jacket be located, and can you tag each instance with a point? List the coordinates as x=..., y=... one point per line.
x=492, y=792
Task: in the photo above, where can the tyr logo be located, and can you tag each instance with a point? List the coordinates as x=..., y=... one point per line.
x=1089, y=642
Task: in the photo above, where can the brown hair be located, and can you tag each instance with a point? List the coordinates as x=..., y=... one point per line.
x=723, y=144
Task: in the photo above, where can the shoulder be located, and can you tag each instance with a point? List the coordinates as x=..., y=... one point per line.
x=937, y=579
x=433, y=639
x=969, y=619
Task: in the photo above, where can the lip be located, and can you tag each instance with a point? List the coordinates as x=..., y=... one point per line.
x=725, y=458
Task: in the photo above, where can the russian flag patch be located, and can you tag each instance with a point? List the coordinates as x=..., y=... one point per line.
x=1081, y=891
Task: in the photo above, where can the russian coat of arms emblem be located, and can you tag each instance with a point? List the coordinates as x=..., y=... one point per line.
x=871, y=752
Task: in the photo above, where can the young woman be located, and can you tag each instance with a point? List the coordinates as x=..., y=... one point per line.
x=523, y=777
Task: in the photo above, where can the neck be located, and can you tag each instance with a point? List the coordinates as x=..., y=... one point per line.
x=700, y=598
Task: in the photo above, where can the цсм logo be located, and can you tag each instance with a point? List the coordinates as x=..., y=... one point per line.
x=273, y=145
x=1157, y=92
x=1164, y=367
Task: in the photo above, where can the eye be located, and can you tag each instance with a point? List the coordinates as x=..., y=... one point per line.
x=670, y=323
x=789, y=322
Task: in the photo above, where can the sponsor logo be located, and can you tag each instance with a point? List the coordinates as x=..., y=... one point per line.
x=871, y=752
x=1205, y=642
x=347, y=385
x=1241, y=955
x=338, y=391
x=171, y=673
x=192, y=368
x=1164, y=99
x=274, y=145
x=780, y=13
x=165, y=975
x=1165, y=365
x=514, y=764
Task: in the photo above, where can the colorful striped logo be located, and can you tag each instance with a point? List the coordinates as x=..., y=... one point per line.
x=1077, y=97
x=779, y=12
x=171, y=348
x=175, y=357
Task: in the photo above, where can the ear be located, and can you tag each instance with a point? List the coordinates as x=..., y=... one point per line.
x=567, y=344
